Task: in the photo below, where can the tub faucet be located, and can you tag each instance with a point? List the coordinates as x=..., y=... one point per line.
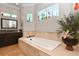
x=30, y=36
x=30, y=39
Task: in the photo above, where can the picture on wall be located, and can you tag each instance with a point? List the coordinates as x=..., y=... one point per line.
x=76, y=6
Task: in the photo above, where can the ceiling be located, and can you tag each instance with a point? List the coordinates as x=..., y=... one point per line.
x=15, y=4
x=29, y=4
x=22, y=4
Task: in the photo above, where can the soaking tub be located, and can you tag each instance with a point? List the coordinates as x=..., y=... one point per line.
x=37, y=46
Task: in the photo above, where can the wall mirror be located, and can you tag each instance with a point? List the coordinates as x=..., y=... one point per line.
x=8, y=23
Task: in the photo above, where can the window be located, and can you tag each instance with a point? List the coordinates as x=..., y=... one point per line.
x=8, y=14
x=29, y=17
x=55, y=10
x=42, y=15
x=5, y=14
x=48, y=12
x=12, y=15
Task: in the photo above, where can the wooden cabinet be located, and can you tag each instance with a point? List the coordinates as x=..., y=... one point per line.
x=9, y=38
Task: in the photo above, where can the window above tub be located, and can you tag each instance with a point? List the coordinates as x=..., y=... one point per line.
x=49, y=12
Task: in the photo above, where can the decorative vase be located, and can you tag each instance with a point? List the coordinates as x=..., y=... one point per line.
x=70, y=42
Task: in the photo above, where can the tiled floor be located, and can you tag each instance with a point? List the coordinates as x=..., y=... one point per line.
x=12, y=50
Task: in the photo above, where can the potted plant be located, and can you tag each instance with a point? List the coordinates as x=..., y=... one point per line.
x=70, y=27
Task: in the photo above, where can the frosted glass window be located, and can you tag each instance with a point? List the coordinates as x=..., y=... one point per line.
x=55, y=10
x=42, y=15
x=29, y=17
x=48, y=12
x=39, y=15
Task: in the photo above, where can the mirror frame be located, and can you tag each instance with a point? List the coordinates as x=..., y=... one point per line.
x=8, y=27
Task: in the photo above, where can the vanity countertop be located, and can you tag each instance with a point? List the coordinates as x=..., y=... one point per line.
x=7, y=32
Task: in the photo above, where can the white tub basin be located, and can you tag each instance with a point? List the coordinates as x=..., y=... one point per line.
x=45, y=43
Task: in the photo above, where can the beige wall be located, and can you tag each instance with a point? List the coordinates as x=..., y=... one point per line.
x=45, y=35
x=45, y=29
x=51, y=25
x=27, y=26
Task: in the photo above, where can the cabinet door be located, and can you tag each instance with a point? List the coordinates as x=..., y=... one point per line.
x=7, y=40
x=1, y=41
x=10, y=39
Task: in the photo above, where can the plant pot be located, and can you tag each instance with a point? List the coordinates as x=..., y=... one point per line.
x=70, y=42
x=69, y=47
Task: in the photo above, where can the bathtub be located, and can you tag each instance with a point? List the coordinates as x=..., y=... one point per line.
x=35, y=46
x=44, y=43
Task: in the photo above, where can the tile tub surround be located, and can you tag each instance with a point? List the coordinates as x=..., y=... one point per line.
x=46, y=35
x=30, y=50
x=39, y=51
